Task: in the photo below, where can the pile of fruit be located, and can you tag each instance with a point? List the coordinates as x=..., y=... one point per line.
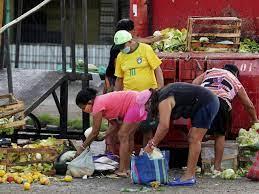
x=51, y=142
x=28, y=178
x=26, y=161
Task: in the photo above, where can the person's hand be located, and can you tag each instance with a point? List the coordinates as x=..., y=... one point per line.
x=79, y=151
x=148, y=149
x=150, y=146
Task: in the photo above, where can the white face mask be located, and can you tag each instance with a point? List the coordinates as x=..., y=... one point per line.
x=126, y=50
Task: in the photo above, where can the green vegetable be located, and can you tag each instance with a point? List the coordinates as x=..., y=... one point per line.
x=249, y=46
x=4, y=121
x=228, y=174
x=175, y=41
x=255, y=126
x=242, y=172
x=248, y=138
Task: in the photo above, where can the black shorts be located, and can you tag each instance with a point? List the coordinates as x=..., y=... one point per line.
x=205, y=115
x=222, y=121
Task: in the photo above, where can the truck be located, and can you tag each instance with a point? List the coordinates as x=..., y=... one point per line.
x=152, y=15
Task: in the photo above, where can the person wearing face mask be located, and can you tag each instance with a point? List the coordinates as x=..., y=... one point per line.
x=123, y=109
x=137, y=65
x=128, y=25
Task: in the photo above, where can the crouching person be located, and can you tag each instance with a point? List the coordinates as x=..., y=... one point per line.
x=189, y=101
x=124, y=110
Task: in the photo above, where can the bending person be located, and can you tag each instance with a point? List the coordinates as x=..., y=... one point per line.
x=123, y=109
x=189, y=101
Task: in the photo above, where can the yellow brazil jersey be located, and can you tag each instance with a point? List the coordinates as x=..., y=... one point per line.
x=137, y=68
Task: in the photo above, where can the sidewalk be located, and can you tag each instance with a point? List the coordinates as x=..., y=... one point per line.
x=49, y=107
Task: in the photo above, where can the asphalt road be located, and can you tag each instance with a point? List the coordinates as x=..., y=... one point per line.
x=205, y=184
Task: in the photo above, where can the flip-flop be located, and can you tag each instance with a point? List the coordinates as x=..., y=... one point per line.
x=179, y=182
x=122, y=174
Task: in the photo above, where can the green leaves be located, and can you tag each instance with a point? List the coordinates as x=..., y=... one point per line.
x=175, y=40
x=249, y=46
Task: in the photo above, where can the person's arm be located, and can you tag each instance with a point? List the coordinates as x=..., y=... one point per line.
x=247, y=103
x=165, y=108
x=198, y=80
x=159, y=77
x=114, y=125
x=97, y=121
x=118, y=84
x=119, y=74
x=149, y=39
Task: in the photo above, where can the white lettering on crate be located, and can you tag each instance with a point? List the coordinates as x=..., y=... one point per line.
x=245, y=67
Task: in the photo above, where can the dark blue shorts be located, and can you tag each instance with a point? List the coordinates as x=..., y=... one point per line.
x=205, y=115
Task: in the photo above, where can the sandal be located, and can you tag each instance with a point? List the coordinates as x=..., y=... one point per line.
x=179, y=182
x=122, y=174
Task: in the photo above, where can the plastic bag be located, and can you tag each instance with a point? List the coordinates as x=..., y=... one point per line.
x=156, y=154
x=104, y=163
x=145, y=170
x=253, y=173
x=67, y=156
x=88, y=132
x=81, y=165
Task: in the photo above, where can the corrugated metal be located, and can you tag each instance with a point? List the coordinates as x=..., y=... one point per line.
x=124, y=6
x=48, y=57
x=107, y=20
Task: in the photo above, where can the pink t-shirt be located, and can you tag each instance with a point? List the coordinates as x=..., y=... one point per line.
x=128, y=106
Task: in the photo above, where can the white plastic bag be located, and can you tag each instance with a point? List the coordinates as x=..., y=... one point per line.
x=88, y=132
x=104, y=163
x=67, y=156
x=156, y=154
x=82, y=165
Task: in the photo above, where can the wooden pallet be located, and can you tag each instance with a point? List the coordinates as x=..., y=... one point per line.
x=223, y=34
x=49, y=155
x=230, y=155
x=10, y=106
x=207, y=164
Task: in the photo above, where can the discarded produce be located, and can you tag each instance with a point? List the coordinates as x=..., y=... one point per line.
x=68, y=178
x=228, y=174
x=26, y=186
x=175, y=40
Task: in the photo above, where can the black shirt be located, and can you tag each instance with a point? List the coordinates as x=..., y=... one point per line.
x=111, y=66
x=188, y=98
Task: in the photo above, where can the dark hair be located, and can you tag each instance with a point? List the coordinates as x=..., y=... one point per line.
x=84, y=96
x=232, y=68
x=125, y=24
x=154, y=103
